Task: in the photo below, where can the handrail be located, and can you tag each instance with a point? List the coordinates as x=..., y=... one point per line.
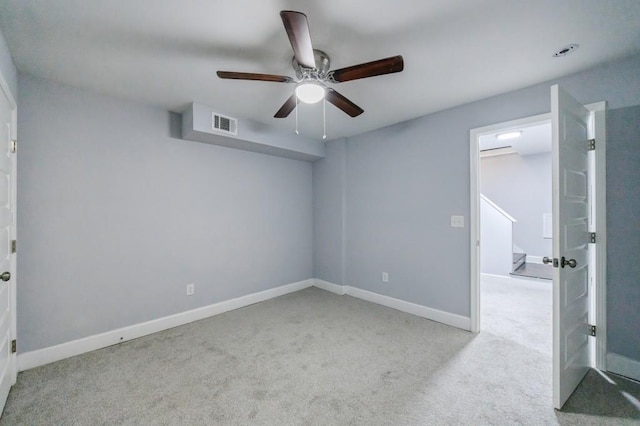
x=500, y=210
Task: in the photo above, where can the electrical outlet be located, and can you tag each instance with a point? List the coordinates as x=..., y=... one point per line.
x=385, y=277
x=191, y=288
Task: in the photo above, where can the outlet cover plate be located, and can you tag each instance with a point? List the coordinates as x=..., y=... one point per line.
x=457, y=221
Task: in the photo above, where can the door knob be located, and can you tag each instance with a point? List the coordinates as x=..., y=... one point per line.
x=571, y=262
x=5, y=276
x=547, y=260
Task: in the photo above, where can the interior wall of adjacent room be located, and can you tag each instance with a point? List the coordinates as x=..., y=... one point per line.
x=116, y=215
x=405, y=181
x=521, y=185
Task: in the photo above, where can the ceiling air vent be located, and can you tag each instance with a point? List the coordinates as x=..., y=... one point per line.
x=224, y=124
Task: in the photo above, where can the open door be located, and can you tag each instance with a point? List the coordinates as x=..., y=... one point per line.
x=7, y=232
x=570, y=170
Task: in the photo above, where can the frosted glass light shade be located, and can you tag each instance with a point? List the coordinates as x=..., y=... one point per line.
x=310, y=93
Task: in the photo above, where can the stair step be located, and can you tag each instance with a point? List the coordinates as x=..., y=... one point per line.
x=518, y=260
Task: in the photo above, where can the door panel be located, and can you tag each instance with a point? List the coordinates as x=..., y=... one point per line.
x=570, y=122
x=6, y=231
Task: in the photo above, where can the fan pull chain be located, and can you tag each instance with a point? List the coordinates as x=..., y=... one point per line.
x=297, y=133
x=324, y=118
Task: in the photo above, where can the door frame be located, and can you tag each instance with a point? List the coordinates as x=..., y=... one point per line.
x=13, y=358
x=598, y=111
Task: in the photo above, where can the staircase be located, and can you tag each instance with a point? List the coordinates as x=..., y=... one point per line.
x=519, y=260
x=499, y=254
x=522, y=268
x=496, y=239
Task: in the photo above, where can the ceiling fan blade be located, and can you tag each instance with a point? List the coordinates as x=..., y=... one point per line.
x=253, y=76
x=297, y=27
x=286, y=109
x=370, y=69
x=343, y=103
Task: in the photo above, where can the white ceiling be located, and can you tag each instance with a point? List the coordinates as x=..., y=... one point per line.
x=166, y=52
x=534, y=139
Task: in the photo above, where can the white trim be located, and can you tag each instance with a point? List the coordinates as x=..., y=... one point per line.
x=443, y=317
x=474, y=231
x=498, y=208
x=44, y=356
x=501, y=279
x=13, y=285
x=623, y=366
x=599, y=121
x=474, y=135
x=331, y=287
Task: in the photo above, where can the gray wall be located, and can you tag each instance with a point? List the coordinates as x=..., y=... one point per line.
x=115, y=217
x=329, y=203
x=405, y=181
x=7, y=69
x=521, y=185
x=623, y=231
x=401, y=192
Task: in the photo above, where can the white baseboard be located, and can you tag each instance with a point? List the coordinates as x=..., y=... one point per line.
x=503, y=279
x=623, y=366
x=44, y=356
x=333, y=288
x=453, y=320
x=447, y=318
x=55, y=353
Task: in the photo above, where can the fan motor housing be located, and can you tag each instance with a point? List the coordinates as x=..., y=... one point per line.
x=323, y=62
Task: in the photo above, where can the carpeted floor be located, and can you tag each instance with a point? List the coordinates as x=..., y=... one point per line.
x=315, y=358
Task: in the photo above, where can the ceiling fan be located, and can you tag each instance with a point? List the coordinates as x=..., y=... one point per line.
x=311, y=67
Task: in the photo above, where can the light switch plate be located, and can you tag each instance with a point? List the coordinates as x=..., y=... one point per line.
x=457, y=221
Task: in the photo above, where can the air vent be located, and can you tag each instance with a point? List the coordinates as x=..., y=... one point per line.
x=223, y=124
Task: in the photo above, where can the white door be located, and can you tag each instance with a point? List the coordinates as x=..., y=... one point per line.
x=571, y=361
x=7, y=231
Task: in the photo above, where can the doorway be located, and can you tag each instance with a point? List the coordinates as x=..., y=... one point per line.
x=515, y=209
x=515, y=201
x=595, y=116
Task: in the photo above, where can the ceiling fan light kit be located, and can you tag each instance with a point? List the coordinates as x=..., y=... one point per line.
x=310, y=92
x=311, y=67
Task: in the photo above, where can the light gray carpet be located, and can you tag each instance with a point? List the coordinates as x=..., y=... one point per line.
x=316, y=358
x=519, y=311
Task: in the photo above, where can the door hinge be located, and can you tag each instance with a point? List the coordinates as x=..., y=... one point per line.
x=14, y=146
x=592, y=237
x=14, y=346
x=13, y=246
x=592, y=330
x=591, y=145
